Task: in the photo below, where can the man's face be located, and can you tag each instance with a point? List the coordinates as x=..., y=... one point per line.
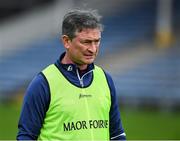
x=83, y=48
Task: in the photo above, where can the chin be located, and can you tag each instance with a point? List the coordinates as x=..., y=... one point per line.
x=89, y=61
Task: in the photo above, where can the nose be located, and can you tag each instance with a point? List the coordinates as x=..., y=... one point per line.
x=93, y=47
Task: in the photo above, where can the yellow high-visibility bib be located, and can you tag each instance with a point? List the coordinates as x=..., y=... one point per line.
x=76, y=113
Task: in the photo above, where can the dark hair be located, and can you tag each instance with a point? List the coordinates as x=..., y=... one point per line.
x=77, y=20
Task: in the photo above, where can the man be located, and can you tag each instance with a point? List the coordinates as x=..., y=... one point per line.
x=73, y=99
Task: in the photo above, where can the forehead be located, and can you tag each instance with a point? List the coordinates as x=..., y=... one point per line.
x=89, y=34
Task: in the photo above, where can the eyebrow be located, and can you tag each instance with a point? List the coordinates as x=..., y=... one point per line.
x=90, y=39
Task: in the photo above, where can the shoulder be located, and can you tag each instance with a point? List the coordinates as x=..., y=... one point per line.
x=108, y=76
x=38, y=89
x=39, y=81
x=109, y=80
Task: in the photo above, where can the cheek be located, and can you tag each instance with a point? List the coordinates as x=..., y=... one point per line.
x=97, y=50
x=76, y=50
x=81, y=48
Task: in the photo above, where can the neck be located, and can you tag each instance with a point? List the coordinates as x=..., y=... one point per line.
x=67, y=60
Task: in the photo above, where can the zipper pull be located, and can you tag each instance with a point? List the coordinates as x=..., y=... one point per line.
x=80, y=79
x=81, y=83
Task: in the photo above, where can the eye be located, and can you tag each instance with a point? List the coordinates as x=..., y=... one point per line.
x=90, y=42
x=97, y=42
x=87, y=42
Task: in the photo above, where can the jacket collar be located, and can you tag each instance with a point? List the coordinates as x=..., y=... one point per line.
x=72, y=67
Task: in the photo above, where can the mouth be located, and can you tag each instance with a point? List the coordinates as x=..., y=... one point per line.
x=89, y=56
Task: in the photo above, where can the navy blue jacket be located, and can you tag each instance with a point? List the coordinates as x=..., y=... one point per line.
x=37, y=99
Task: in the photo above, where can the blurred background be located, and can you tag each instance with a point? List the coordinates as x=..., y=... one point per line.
x=140, y=48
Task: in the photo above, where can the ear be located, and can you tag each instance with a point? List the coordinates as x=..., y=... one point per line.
x=66, y=41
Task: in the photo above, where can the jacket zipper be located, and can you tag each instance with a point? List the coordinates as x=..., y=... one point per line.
x=81, y=78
